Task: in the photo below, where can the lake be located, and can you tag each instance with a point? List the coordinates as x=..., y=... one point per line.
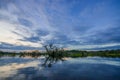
x=86, y=68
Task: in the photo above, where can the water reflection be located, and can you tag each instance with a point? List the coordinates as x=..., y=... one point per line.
x=9, y=66
x=90, y=68
x=53, y=54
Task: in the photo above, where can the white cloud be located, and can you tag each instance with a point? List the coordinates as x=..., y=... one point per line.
x=93, y=46
x=53, y=18
x=7, y=36
x=13, y=32
x=9, y=24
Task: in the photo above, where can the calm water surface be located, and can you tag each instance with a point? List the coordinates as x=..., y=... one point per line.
x=89, y=68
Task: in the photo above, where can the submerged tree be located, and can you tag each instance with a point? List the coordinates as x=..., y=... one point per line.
x=53, y=54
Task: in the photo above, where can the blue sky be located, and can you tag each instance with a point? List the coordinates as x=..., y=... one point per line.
x=72, y=24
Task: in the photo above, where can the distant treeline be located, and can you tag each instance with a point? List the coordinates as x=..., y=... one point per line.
x=20, y=54
x=105, y=53
x=66, y=53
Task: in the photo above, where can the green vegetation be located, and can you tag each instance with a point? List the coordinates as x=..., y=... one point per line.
x=21, y=54
x=33, y=54
x=106, y=53
x=53, y=54
x=60, y=53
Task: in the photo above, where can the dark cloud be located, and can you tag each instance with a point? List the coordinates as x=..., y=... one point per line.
x=34, y=38
x=42, y=32
x=31, y=39
x=106, y=48
x=14, y=47
x=25, y=22
x=109, y=35
x=63, y=22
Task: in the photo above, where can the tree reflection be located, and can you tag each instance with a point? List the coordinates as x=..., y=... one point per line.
x=53, y=54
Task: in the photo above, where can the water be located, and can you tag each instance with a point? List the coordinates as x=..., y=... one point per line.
x=89, y=68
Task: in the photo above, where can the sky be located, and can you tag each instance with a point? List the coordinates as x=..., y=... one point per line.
x=72, y=24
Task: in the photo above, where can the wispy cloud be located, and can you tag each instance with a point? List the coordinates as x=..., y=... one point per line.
x=67, y=23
